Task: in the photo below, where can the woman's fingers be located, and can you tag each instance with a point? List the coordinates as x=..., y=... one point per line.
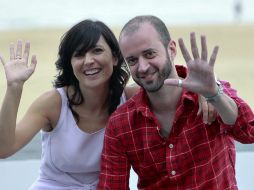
x=203, y=108
x=207, y=110
x=19, y=50
x=211, y=114
x=26, y=51
x=12, y=53
x=18, y=54
x=33, y=62
x=2, y=59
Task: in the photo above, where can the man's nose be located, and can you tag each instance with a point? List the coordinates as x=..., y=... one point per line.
x=143, y=65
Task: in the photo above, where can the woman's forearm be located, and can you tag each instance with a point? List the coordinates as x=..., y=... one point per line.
x=8, y=116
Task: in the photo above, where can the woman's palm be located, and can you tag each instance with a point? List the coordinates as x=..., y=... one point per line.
x=17, y=69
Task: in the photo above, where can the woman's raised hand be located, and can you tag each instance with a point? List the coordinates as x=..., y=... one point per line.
x=17, y=69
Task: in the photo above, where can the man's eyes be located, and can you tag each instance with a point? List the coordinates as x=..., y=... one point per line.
x=146, y=55
x=150, y=54
x=131, y=61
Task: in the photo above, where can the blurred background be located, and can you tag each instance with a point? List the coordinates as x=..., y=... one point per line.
x=227, y=23
x=58, y=13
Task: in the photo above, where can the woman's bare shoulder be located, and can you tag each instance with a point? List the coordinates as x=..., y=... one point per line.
x=130, y=90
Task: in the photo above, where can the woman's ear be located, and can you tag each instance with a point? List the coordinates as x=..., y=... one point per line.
x=115, y=61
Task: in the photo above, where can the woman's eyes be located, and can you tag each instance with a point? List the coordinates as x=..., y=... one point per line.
x=97, y=50
x=78, y=56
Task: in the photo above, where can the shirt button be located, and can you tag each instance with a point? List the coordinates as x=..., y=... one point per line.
x=173, y=172
x=170, y=145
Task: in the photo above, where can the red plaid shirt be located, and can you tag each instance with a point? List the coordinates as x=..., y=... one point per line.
x=194, y=156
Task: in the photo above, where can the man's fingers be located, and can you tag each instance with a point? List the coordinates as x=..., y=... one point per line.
x=213, y=56
x=203, y=48
x=173, y=82
x=194, y=47
x=184, y=51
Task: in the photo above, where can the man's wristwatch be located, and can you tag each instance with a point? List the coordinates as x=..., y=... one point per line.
x=215, y=98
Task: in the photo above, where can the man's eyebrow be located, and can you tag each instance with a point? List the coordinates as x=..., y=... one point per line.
x=130, y=57
x=149, y=50
x=145, y=51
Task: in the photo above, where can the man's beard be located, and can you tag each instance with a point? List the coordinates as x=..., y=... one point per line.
x=159, y=82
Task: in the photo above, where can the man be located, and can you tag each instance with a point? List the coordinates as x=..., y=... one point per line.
x=158, y=131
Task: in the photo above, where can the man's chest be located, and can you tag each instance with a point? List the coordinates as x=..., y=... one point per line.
x=165, y=123
x=190, y=143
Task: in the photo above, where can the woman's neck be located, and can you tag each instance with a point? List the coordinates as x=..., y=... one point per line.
x=95, y=100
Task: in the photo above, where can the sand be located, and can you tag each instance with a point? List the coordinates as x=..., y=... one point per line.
x=234, y=62
x=14, y=177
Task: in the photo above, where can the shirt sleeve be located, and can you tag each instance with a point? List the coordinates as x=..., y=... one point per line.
x=115, y=167
x=243, y=129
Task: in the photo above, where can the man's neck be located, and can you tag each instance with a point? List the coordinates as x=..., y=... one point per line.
x=163, y=104
x=166, y=99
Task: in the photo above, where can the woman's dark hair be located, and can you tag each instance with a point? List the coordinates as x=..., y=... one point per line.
x=81, y=38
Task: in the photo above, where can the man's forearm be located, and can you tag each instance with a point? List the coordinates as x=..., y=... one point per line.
x=226, y=108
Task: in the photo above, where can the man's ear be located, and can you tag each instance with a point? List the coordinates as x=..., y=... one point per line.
x=172, y=49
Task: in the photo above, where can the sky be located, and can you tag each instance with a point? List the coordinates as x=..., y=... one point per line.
x=54, y=13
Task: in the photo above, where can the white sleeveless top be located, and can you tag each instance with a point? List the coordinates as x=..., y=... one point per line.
x=70, y=156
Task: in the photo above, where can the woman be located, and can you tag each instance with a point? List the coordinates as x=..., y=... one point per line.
x=89, y=86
